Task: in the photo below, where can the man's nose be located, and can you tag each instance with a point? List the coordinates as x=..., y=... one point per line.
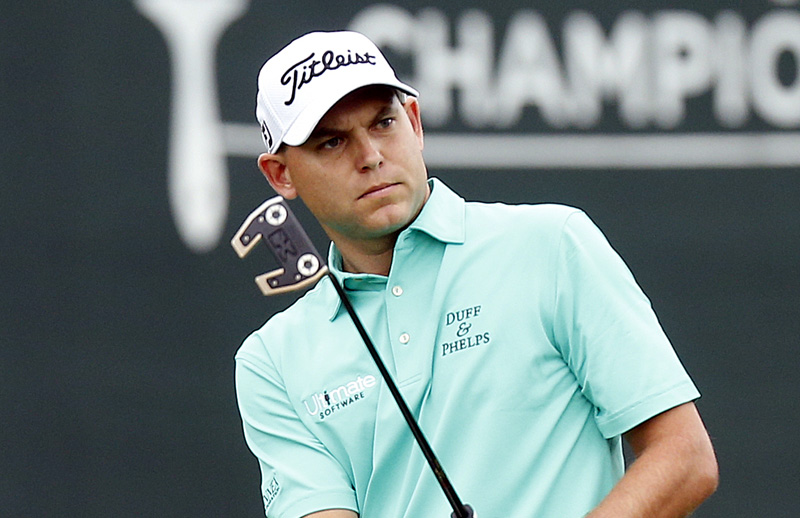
x=370, y=157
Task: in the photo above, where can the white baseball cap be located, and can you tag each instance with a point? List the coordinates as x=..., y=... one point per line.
x=298, y=85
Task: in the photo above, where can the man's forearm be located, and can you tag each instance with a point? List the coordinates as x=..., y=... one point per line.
x=332, y=513
x=674, y=472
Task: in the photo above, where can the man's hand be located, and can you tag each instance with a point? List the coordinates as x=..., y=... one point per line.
x=674, y=471
x=333, y=513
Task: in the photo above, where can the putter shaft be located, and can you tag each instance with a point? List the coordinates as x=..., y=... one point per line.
x=459, y=509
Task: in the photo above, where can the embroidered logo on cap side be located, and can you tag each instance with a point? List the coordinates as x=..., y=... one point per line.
x=266, y=135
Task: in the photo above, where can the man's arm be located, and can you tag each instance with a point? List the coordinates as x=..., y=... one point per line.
x=333, y=513
x=674, y=471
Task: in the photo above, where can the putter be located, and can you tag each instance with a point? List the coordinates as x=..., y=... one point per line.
x=274, y=222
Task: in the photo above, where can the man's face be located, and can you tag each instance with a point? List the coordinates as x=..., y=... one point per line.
x=361, y=171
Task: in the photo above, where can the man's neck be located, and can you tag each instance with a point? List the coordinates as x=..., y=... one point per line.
x=374, y=256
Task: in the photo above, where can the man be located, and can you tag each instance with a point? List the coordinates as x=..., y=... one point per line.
x=517, y=336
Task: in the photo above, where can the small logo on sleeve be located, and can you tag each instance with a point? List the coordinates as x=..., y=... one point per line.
x=271, y=491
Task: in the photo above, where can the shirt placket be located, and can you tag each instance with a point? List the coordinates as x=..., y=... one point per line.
x=410, y=313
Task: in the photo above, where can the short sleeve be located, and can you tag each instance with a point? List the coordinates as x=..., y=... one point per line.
x=299, y=475
x=609, y=335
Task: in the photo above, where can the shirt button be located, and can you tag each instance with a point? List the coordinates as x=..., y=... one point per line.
x=404, y=338
x=397, y=291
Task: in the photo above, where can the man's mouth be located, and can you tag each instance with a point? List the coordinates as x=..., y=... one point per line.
x=377, y=190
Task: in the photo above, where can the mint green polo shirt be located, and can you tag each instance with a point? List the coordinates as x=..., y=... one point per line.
x=520, y=341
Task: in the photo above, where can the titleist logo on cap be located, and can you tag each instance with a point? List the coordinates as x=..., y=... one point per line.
x=303, y=72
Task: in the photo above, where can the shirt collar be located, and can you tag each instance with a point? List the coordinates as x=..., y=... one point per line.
x=442, y=217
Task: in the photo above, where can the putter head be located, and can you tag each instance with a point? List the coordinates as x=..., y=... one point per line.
x=301, y=264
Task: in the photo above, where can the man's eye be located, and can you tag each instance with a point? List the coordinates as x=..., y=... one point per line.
x=385, y=123
x=332, y=143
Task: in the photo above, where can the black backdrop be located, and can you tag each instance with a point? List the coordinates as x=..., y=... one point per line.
x=116, y=339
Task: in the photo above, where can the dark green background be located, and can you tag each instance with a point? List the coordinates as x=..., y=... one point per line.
x=116, y=341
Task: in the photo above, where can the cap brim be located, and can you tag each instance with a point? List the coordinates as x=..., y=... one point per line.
x=308, y=119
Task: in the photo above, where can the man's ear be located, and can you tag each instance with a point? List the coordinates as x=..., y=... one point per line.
x=411, y=107
x=274, y=169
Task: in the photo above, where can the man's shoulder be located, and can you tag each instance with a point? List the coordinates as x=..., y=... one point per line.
x=524, y=217
x=284, y=326
x=545, y=209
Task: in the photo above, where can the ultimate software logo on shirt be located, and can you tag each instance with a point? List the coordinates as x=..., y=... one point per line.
x=326, y=403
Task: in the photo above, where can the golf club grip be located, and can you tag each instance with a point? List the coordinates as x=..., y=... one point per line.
x=466, y=512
